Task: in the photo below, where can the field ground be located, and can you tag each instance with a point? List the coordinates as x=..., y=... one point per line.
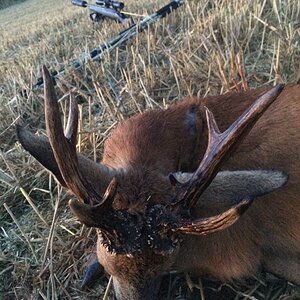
x=200, y=49
x=8, y=3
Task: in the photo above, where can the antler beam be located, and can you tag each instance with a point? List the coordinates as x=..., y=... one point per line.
x=220, y=146
x=64, y=147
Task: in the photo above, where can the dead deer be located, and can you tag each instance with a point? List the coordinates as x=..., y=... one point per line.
x=158, y=198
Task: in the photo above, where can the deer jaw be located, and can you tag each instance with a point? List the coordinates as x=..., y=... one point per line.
x=138, y=276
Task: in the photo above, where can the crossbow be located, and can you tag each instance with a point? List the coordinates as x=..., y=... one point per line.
x=111, y=10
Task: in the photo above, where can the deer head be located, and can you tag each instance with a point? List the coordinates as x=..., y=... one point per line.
x=140, y=215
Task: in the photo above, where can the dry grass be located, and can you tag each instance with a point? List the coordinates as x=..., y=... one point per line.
x=206, y=47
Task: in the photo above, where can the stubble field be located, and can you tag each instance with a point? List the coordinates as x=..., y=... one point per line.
x=206, y=47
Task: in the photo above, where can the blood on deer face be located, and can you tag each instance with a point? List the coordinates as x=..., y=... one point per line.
x=143, y=213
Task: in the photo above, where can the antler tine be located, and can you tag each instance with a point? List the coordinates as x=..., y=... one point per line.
x=72, y=125
x=220, y=146
x=213, y=224
x=64, y=149
x=89, y=215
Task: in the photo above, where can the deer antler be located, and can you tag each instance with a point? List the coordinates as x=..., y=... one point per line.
x=64, y=145
x=203, y=226
x=90, y=215
x=220, y=146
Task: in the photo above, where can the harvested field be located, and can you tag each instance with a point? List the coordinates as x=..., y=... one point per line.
x=206, y=47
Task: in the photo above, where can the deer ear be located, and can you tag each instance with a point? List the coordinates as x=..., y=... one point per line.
x=229, y=187
x=39, y=147
x=229, y=195
x=98, y=175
